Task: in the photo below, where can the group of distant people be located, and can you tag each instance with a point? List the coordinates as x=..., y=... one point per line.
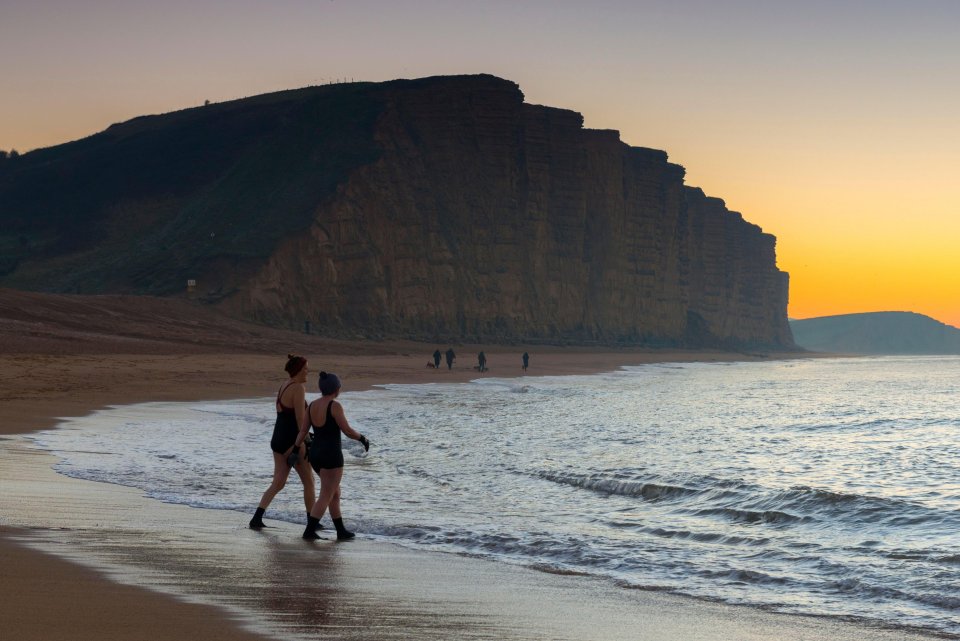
x=451, y=356
x=293, y=448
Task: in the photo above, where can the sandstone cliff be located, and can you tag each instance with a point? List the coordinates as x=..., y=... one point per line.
x=469, y=214
x=488, y=218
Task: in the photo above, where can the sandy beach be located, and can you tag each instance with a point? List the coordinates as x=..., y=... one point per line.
x=90, y=560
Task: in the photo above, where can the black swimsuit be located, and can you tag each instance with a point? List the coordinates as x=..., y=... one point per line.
x=325, y=452
x=286, y=429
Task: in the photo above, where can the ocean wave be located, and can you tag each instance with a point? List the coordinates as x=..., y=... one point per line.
x=598, y=483
x=853, y=509
x=934, y=556
x=745, y=576
x=423, y=474
x=706, y=537
x=862, y=588
x=751, y=516
x=736, y=501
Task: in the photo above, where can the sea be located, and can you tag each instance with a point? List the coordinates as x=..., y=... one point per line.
x=825, y=486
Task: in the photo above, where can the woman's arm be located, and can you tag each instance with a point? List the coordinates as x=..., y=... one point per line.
x=344, y=426
x=337, y=411
x=303, y=419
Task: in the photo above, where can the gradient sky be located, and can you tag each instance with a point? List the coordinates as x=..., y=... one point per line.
x=833, y=125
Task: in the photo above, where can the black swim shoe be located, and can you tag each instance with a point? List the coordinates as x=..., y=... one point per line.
x=256, y=522
x=310, y=533
x=343, y=534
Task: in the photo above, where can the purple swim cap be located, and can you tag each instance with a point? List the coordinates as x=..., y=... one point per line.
x=328, y=383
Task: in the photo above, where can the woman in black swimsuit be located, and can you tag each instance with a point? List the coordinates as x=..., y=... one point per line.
x=291, y=421
x=327, y=418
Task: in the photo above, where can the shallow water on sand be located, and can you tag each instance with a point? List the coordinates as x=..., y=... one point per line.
x=825, y=487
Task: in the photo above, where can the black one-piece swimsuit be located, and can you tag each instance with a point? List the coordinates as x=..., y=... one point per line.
x=325, y=452
x=285, y=430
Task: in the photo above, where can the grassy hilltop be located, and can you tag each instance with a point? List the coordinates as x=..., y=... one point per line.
x=147, y=203
x=877, y=333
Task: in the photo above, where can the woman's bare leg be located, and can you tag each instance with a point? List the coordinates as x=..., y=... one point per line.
x=329, y=498
x=280, y=473
x=309, y=488
x=329, y=486
x=335, y=504
x=342, y=532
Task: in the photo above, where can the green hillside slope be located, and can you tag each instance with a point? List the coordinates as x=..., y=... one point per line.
x=876, y=333
x=150, y=202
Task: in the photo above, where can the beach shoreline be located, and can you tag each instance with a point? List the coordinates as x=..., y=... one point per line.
x=75, y=385
x=40, y=389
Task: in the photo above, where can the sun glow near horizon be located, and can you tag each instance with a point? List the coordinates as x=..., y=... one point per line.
x=846, y=258
x=859, y=229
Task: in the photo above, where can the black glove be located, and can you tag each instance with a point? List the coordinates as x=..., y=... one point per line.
x=363, y=441
x=293, y=457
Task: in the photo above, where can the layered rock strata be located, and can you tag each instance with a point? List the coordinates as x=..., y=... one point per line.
x=486, y=218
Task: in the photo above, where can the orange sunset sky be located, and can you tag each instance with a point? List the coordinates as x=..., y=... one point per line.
x=833, y=125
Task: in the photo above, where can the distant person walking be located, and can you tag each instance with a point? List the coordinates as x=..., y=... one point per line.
x=482, y=360
x=526, y=361
x=326, y=417
x=436, y=359
x=291, y=406
x=450, y=358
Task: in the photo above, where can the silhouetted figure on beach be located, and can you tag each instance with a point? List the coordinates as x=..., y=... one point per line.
x=482, y=360
x=450, y=358
x=436, y=359
x=526, y=361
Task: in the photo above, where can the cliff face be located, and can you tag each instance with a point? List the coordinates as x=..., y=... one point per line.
x=438, y=209
x=487, y=218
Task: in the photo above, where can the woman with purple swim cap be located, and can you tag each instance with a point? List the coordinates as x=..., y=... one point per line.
x=326, y=417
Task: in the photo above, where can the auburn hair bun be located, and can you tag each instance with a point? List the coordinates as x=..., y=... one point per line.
x=294, y=364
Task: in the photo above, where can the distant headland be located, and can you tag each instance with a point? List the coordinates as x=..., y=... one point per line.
x=877, y=333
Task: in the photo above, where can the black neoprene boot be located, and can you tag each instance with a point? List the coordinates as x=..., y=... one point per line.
x=311, y=532
x=342, y=532
x=257, y=521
